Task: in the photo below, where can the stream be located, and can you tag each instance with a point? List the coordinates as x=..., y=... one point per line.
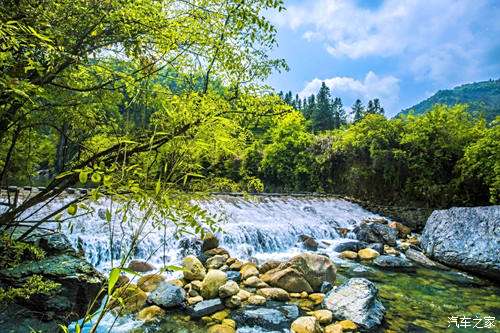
x=269, y=227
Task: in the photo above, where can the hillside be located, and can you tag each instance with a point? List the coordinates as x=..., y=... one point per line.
x=482, y=97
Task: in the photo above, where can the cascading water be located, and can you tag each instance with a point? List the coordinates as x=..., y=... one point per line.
x=250, y=228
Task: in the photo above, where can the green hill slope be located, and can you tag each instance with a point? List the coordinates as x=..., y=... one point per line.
x=482, y=98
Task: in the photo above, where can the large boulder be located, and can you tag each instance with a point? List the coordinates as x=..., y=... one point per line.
x=314, y=267
x=288, y=279
x=356, y=300
x=167, y=296
x=466, y=238
x=79, y=285
x=373, y=232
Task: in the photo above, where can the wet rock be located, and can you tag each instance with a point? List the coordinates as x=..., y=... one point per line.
x=167, y=296
x=422, y=259
x=150, y=282
x=317, y=298
x=348, y=325
x=315, y=268
x=194, y=300
x=212, y=282
x=376, y=233
x=79, y=284
x=348, y=255
x=308, y=242
x=288, y=279
x=140, y=266
x=205, y=308
x=233, y=302
x=236, y=265
x=273, y=317
x=275, y=294
x=209, y=242
x=228, y=289
x=307, y=324
x=248, y=270
x=356, y=300
x=403, y=230
x=325, y=287
x=193, y=269
x=243, y=295
x=351, y=245
x=150, y=313
x=216, y=261
x=221, y=328
x=255, y=282
x=233, y=276
x=394, y=263
x=379, y=247
x=323, y=316
x=216, y=251
x=367, y=254
x=128, y=299
x=256, y=300
x=333, y=328
x=466, y=238
x=390, y=250
x=268, y=265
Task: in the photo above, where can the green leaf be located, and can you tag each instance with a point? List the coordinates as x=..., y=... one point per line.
x=113, y=278
x=63, y=328
x=78, y=329
x=72, y=209
x=96, y=178
x=158, y=187
x=83, y=177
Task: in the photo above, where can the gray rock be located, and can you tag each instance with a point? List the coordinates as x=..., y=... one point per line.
x=394, y=263
x=308, y=242
x=167, y=296
x=351, y=245
x=79, y=286
x=233, y=276
x=466, y=238
x=374, y=232
x=209, y=242
x=377, y=247
x=325, y=287
x=273, y=317
x=421, y=258
x=356, y=300
x=205, y=308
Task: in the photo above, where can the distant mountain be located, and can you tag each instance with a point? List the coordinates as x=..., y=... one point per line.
x=482, y=98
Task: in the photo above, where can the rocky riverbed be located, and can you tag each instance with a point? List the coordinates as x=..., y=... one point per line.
x=379, y=282
x=352, y=271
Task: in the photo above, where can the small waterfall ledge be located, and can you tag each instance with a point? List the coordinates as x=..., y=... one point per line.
x=256, y=226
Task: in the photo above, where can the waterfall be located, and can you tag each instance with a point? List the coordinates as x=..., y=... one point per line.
x=258, y=227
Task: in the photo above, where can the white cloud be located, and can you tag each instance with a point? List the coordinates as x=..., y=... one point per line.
x=431, y=38
x=386, y=88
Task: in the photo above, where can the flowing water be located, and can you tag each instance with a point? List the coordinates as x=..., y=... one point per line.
x=269, y=227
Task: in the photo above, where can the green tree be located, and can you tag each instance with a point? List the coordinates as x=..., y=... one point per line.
x=357, y=110
x=322, y=116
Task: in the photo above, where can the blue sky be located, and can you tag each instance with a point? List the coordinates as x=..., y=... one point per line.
x=401, y=51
